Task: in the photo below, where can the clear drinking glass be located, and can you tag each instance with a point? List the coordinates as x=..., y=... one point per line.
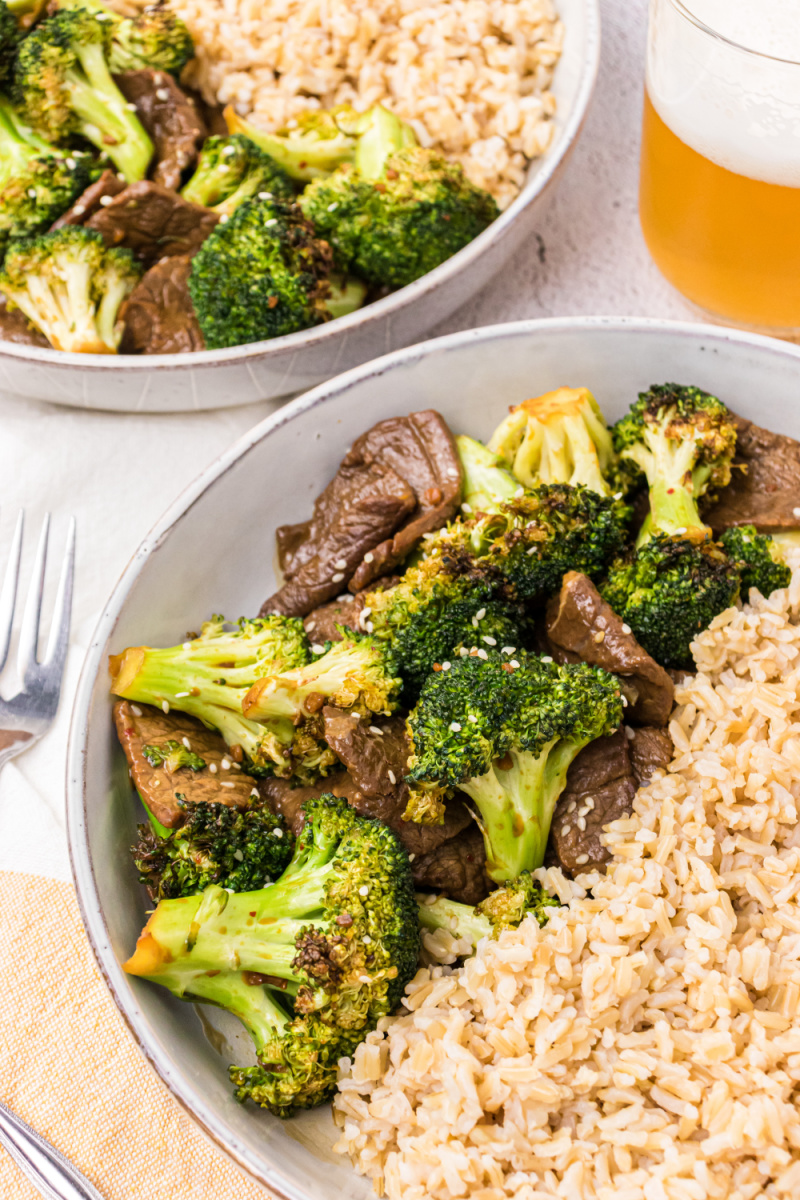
x=719, y=198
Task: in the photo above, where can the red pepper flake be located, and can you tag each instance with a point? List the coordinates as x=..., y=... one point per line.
x=344, y=919
x=273, y=300
x=380, y=187
x=437, y=666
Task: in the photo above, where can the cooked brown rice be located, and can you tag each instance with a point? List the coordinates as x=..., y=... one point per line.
x=644, y=1045
x=471, y=76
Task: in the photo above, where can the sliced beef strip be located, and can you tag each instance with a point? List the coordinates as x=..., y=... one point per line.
x=458, y=868
x=420, y=447
x=650, y=750
x=287, y=801
x=765, y=485
x=399, y=480
x=372, y=760
x=603, y=776
x=171, y=118
x=585, y=628
x=153, y=222
x=140, y=725
x=320, y=624
x=356, y=511
x=15, y=327
x=158, y=315
x=91, y=201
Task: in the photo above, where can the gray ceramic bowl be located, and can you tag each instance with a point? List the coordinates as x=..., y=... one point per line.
x=283, y=463
x=268, y=370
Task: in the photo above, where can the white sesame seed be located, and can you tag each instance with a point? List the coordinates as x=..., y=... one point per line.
x=369, y=557
x=624, y=700
x=583, y=811
x=79, y=210
x=480, y=614
x=366, y=939
x=573, y=804
x=514, y=663
x=227, y=151
x=589, y=805
x=482, y=654
x=237, y=766
x=509, y=650
x=374, y=729
x=223, y=219
x=472, y=718
x=370, y=627
x=356, y=716
x=366, y=610
x=463, y=652
x=265, y=195
x=165, y=706
x=445, y=666
x=310, y=625
x=71, y=163
x=617, y=495
x=316, y=648
x=187, y=645
x=181, y=695
x=411, y=857
x=531, y=551
x=225, y=764
x=226, y=783
x=333, y=207
x=392, y=776
x=363, y=890
x=137, y=712
x=565, y=829
x=212, y=768
x=519, y=492
x=32, y=193
x=131, y=107
x=106, y=200
x=341, y=564
x=278, y=833
x=681, y=530
x=338, y=577
x=796, y=512
x=237, y=854
x=581, y=859
x=344, y=596
x=547, y=658
x=271, y=221
x=254, y=792
x=626, y=628
x=186, y=743
x=455, y=727
x=467, y=508
x=629, y=734
x=490, y=641
x=452, y=472
x=155, y=783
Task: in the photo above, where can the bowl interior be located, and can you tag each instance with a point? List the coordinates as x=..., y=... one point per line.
x=212, y=553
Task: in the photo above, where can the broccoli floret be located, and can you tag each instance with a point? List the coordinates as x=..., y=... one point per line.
x=399, y=211
x=670, y=589
x=240, y=850
x=37, y=182
x=506, y=735
x=561, y=437
x=210, y=676
x=233, y=169
x=309, y=964
x=683, y=440
x=758, y=557
x=154, y=38
x=354, y=673
x=70, y=285
x=312, y=144
x=262, y=274
x=444, y=603
x=504, y=908
x=173, y=756
x=63, y=84
x=10, y=37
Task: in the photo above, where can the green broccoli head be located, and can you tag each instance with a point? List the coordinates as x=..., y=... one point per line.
x=313, y=143
x=504, y=908
x=758, y=557
x=233, y=169
x=683, y=440
x=63, y=85
x=668, y=591
x=393, y=229
x=240, y=850
x=321, y=954
x=10, y=36
x=261, y=274
x=156, y=38
x=504, y=730
x=561, y=437
x=71, y=286
x=209, y=677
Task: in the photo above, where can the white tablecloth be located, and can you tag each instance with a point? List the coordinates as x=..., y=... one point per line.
x=117, y=473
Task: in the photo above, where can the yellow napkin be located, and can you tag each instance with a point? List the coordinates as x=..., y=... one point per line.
x=69, y=1067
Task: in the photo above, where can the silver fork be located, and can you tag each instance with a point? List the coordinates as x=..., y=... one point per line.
x=29, y=714
x=23, y=720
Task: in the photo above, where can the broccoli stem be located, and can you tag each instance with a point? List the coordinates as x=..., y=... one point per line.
x=261, y=1016
x=458, y=919
x=346, y=295
x=672, y=485
x=382, y=136
x=18, y=144
x=106, y=119
x=487, y=483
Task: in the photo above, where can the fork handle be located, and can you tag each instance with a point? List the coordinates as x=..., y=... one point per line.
x=50, y=1172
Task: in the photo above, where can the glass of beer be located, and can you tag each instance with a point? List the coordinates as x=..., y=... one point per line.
x=719, y=197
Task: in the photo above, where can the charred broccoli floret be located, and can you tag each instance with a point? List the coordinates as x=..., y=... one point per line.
x=233, y=169
x=63, y=84
x=238, y=849
x=262, y=274
x=561, y=437
x=505, y=730
x=70, y=285
x=155, y=37
x=398, y=211
x=682, y=440
x=758, y=557
x=210, y=676
x=37, y=182
x=312, y=144
x=309, y=964
x=10, y=36
x=504, y=908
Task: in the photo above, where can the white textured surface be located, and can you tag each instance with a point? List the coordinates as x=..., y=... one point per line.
x=118, y=473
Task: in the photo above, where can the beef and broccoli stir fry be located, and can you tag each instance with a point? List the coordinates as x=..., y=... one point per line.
x=465, y=675
x=181, y=238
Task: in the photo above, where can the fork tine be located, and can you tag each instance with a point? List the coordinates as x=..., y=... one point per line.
x=8, y=596
x=29, y=630
x=59, y=634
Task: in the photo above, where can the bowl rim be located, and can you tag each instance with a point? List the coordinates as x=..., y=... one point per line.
x=80, y=860
x=548, y=166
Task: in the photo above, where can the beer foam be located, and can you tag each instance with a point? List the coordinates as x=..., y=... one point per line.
x=739, y=109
